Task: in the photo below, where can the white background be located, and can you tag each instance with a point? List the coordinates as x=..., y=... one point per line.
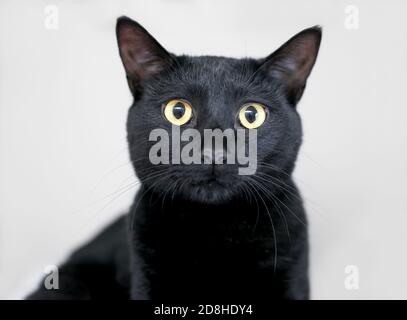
x=63, y=104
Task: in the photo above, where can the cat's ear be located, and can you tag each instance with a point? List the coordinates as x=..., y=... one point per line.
x=292, y=63
x=142, y=56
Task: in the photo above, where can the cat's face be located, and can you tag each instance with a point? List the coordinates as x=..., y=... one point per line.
x=201, y=93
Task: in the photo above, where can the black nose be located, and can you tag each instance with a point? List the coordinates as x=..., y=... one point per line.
x=213, y=156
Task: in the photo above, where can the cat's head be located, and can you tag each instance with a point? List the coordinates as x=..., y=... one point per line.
x=208, y=92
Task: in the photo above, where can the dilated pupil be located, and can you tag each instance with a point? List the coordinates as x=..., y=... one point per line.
x=251, y=114
x=178, y=110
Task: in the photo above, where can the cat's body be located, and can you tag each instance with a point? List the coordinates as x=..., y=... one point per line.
x=194, y=252
x=201, y=230
x=186, y=252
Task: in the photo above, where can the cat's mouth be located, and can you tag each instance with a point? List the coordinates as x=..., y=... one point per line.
x=202, y=184
x=209, y=182
x=211, y=189
x=213, y=176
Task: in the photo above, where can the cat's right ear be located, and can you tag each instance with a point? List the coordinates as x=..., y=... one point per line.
x=142, y=56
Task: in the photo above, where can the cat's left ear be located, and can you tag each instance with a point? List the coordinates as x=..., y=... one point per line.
x=292, y=63
x=142, y=56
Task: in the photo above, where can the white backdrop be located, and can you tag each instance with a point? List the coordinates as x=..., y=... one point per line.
x=63, y=104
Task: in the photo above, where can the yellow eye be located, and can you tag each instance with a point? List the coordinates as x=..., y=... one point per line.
x=252, y=115
x=178, y=112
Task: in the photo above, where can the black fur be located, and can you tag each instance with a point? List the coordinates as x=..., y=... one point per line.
x=203, y=231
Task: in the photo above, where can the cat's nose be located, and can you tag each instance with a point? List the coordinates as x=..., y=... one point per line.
x=211, y=156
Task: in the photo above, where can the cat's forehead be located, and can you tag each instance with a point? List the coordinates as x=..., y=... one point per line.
x=216, y=68
x=213, y=77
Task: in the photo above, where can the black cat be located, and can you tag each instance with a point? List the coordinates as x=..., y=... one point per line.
x=202, y=230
